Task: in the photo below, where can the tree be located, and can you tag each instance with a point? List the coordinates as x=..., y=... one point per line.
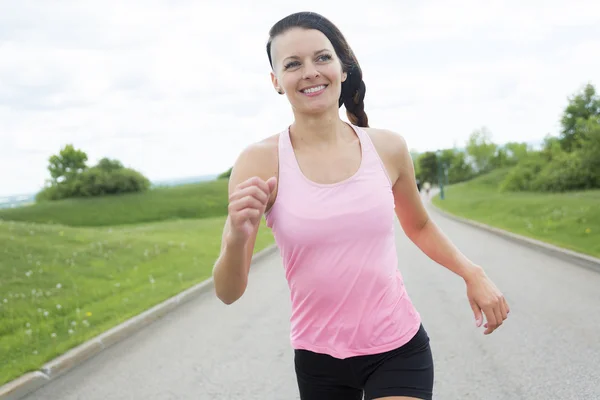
x=516, y=151
x=71, y=177
x=108, y=165
x=67, y=163
x=428, y=167
x=456, y=163
x=481, y=148
x=582, y=106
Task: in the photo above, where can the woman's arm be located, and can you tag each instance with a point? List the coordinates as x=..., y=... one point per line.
x=483, y=295
x=251, y=189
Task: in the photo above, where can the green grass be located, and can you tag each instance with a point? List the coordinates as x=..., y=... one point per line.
x=569, y=220
x=72, y=269
x=56, y=278
x=201, y=200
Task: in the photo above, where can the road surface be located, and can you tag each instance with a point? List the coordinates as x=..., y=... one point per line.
x=548, y=349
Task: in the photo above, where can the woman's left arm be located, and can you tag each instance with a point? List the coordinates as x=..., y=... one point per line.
x=483, y=295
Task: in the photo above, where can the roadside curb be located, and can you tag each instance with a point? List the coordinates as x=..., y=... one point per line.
x=32, y=381
x=580, y=259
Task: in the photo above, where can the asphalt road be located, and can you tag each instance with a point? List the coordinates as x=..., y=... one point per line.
x=548, y=349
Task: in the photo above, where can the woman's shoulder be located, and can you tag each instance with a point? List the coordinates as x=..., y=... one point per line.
x=387, y=142
x=258, y=159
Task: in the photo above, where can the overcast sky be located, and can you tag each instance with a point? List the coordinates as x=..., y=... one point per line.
x=179, y=88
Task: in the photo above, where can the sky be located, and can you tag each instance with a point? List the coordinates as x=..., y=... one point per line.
x=179, y=88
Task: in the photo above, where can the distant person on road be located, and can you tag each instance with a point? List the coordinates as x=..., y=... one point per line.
x=330, y=191
x=427, y=187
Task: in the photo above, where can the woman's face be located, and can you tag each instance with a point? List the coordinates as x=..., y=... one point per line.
x=307, y=69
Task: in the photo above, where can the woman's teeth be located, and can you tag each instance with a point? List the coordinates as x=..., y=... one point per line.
x=313, y=90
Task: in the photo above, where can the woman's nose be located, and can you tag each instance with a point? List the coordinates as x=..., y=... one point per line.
x=310, y=72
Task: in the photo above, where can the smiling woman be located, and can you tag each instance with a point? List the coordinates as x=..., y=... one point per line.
x=330, y=191
x=295, y=39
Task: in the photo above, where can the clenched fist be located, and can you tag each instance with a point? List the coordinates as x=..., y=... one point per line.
x=247, y=204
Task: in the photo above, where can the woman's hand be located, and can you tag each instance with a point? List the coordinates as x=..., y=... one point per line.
x=485, y=298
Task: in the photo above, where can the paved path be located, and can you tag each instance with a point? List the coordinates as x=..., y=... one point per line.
x=549, y=349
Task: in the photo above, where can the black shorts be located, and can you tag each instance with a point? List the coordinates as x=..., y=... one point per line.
x=405, y=371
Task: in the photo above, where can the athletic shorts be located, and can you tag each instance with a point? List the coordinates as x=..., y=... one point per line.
x=405, y=371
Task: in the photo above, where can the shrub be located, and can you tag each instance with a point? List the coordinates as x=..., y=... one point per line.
x=520, y=177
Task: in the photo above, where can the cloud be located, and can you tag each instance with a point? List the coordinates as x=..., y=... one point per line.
x=179, y=88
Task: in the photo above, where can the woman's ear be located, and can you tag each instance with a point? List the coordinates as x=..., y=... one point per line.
x=275, y=82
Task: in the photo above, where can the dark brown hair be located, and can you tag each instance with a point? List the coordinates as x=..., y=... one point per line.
x=353, y=88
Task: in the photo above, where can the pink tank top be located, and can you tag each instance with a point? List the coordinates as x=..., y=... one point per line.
x=338, y=248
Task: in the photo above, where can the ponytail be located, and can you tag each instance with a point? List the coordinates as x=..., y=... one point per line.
x=353, y=96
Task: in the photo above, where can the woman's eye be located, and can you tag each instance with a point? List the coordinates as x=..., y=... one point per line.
x=325, y=57
x=291, y=64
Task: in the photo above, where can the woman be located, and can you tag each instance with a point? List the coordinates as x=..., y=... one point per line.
x=330, y=191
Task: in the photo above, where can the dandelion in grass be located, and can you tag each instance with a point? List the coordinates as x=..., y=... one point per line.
x=5, y=301
x=28, y=332
x=73, y=323
x=71, y=331
x=35, y=352
x=588, y=230
x=53, y=335
x=46, y=313
x=85, y=323
x=58, y=306
x=58, y=286
x=28, y=273
x=89, y=313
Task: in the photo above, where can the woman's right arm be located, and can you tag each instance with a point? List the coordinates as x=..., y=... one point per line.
x=251, y=188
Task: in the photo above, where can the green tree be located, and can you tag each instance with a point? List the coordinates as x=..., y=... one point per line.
x=67, y=163
x=481, y=148
x=428, y=167
x=108, y=165
x=516, y=151
x=582, y=106
x=455, y=161
x=72, y=178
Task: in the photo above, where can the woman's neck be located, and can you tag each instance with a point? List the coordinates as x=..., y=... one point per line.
x=324, y=129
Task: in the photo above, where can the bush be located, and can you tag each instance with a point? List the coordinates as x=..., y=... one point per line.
x=565, y=172
x=226, y=174
x=101, y=180
x=521, y=176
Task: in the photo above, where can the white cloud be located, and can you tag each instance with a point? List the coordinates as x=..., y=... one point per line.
x=179, y=88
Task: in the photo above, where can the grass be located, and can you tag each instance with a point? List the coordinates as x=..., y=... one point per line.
x=199, y=200
x=62, y=285
x=569, y=220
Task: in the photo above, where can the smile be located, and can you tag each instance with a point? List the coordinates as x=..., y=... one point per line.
x=313, y=91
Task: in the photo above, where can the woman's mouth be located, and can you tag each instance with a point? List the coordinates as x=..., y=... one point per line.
x=314, y=91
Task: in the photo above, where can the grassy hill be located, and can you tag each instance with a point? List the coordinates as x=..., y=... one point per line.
x=98, y=263
x=199, y=200
x=570, y=220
